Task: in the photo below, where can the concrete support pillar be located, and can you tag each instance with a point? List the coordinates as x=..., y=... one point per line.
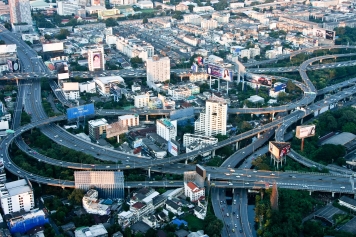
x=237, y=146
x=149, y=173
x=321, y=60
x=233, y=190
x=186, y=161
x=310, y=192
x=146, y=117
x=354, y=196
x=301, y=121
x=258, y=135
x=213, y=153
x=272, y=115
x=332, y=194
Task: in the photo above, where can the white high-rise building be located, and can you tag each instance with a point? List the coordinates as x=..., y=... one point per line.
x=142, y=101
x=16, y=196
x=166, y=128
x=213, y=120
x=158, y=69
x=66, y=8
x=20, y=12
x=96, y=60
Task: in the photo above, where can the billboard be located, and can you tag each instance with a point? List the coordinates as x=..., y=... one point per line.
x=220, y=72
x=172, y=148
x=9, y=65
x=259, y=80
x=115, y=129
x=62, y=70
x=329, y=34
x=16, y=65
x=279, y=149
x=200, y=61
x=80, y=111
x=96, y=60
x=200, y=171
x=305, y=131
x=279, y=87
x=52, y=47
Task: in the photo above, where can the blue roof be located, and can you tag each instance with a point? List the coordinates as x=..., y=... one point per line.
x=179, y=222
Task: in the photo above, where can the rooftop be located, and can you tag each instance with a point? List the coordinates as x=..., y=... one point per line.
x=340, y=139
x=16, y=187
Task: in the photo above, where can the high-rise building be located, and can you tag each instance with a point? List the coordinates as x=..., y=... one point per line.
x=20, y=12
x=16, y=196
x=166, y=128
x=66, y=8
x=109, y=184
x=96, y=60
x=158, y=69
x=213, y=120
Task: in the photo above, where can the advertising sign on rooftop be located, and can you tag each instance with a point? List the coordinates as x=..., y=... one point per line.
x=305, y=131
x=80, y=111
x=115, y=129
x=220, y=72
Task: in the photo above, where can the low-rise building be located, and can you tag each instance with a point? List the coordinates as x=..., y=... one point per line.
x=194, y=192
x=92, y=231
x=142, y=101
x=97, y=128
x=348, y=202
x=130, y=120
x=104, y=84
x=173, y=207
x=88, y=87
x=71, y=90
x=93, y=205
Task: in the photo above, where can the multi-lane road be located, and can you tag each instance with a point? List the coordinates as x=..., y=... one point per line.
x=29, y=97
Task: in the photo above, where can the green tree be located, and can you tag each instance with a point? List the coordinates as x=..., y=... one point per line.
x=110, y=22
x=349, y=127
x=145, y=20
x=76, y=196
x=2, y=42
x=8, y=26
x=244, y=59
x=127, y=232
x=190, y=7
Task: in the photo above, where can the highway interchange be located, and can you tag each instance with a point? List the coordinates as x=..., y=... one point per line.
x=29, y=98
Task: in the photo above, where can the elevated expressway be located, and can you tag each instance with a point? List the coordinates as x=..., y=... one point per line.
x=150, y=163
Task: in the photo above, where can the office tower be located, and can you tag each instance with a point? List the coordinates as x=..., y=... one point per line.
x=213, y=120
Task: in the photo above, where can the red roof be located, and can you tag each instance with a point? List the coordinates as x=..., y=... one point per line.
x=138, y=205
x=193, y=187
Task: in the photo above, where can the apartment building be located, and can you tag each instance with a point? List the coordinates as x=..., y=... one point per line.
x=65, y=8
x=192, y=19
x=130, y=120
x=158, y=69
x=142, y=101
x=16, y=196
x=209, y=24
x=166, y=128
x=97, y=128
x=213, y=120
x=20, y=12
x=133, y=47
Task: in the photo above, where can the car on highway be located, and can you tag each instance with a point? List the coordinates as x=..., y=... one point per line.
x=231, y=184
x=342, y=187
x=272, y=174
